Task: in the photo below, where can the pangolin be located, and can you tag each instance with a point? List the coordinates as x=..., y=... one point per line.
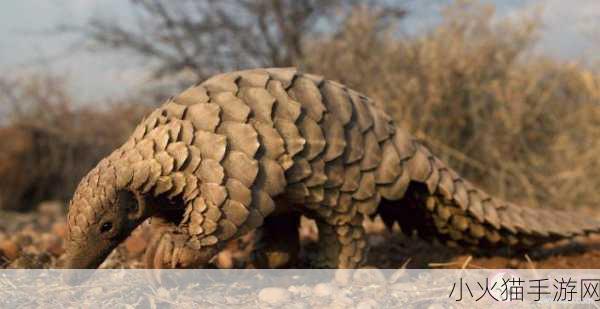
x=258, y=148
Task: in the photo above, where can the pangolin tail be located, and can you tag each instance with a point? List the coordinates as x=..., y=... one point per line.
x=438, y=203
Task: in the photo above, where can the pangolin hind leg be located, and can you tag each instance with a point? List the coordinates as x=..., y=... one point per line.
x=432, y=217
x=278, y=242
x=340, y=245
x=410, y=213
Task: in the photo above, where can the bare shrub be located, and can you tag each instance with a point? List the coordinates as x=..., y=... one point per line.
x=188, y=40
x=47, y=143
x=524, y=127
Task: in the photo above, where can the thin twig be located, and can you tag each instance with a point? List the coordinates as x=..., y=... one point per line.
x=406, y=263
x=467, y=261
x=435, y=265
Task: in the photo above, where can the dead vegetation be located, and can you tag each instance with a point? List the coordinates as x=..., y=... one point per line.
x=49, y=141
x=522, y=126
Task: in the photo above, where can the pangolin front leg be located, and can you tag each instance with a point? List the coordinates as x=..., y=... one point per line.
x=172, y=246
x=219, y=154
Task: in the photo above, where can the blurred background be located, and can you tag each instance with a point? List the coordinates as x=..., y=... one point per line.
x=507, y=92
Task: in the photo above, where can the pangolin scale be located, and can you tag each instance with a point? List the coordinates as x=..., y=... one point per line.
x=256, y=149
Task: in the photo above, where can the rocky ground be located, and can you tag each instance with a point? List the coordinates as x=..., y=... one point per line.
x=35, y=240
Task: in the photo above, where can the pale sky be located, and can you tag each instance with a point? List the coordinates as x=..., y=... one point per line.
x=26, y=45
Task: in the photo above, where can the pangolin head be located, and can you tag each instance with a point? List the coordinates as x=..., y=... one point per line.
x=101, y=215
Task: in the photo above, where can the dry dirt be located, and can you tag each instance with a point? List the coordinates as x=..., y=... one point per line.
x=35, y=240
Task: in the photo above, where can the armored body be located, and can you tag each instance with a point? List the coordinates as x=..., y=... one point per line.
x=257, y=149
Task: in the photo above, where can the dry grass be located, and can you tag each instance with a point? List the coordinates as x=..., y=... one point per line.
x=48, y=142
x=524, y=127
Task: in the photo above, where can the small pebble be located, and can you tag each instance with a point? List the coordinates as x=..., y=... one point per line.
x=59, y=229
x=343, y=276
x=368, y=303
x=163, y=293
x=341, y=301
x=24, y=261
x=274, y=295
x=51, y=208
x=44, y=221
x=365, y=276
x=300, y=290
x=9, y=249
x=324, y=289
x=52, y=244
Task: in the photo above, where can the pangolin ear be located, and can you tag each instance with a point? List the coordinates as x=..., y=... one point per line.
x=130, y=204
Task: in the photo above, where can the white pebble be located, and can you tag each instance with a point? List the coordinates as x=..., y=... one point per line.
x=342, y=300
x=324, y=289
x=274, y=295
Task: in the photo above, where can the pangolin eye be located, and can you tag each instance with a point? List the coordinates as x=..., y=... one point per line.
x=105, y=227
